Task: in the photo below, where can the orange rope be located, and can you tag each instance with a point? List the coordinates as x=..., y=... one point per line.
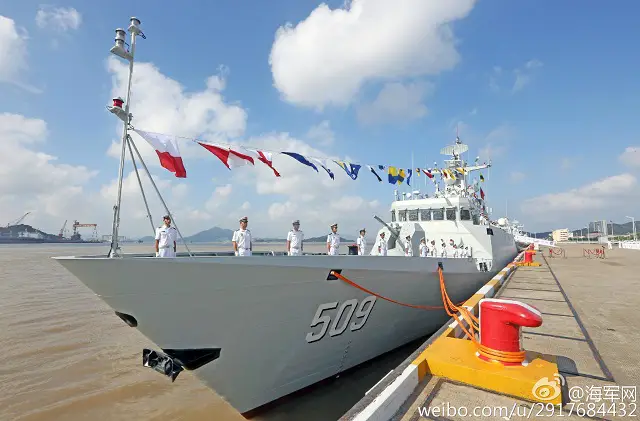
x=452, y=310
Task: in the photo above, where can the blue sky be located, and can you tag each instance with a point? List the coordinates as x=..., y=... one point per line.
x=548, y=93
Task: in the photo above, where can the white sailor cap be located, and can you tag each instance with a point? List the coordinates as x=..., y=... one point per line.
x=244, y=219
x=296, y=222
x=334, y=225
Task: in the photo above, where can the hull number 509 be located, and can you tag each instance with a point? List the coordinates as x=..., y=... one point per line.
x=347, y=311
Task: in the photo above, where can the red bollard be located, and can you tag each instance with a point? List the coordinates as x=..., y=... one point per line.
x=501, y=323
x=528, y=256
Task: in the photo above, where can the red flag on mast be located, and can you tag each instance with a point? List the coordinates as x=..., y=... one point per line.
x=229, y=157
x=167, y=149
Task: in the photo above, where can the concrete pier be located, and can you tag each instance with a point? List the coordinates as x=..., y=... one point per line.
x=588, y=305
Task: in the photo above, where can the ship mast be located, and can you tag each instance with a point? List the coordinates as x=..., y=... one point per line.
x=119, y=50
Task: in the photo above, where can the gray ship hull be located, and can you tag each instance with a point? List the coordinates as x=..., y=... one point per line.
x=274, y=319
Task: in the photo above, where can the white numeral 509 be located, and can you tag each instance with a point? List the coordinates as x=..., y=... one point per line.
x=340, y=323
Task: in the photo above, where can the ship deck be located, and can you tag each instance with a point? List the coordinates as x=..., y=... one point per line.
x=587, y=305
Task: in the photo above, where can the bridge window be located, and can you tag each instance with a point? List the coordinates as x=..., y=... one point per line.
x=413, y=215
x=465, y=214
x=438, y=214
x=393, y=216
x=402, y=215
x=451, y=214
x=425, y=214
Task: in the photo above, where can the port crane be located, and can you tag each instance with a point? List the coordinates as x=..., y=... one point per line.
x=76, y=234
x=17, y=221
x=61, y=235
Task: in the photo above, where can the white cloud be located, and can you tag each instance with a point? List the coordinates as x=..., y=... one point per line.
x=321, y=133
x=218, y=197
x=567, y=163
x=327, y=58
x=161, y=104
x=396, y=102
x=611, y=194
x=59, y=19
x=517, y=176
x=522, y=76
x=13, y=52
x=631, y=156
x=496, y=142
x=31, y=180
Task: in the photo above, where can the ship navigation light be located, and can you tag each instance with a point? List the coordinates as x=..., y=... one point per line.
x=119, y=49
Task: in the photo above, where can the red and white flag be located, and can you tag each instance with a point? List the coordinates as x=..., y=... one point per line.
x=229, y=157
x=266, y=158
x=167, y=149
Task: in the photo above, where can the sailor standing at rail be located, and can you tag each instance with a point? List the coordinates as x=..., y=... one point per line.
x=432, y=250
x=333, y=241
x=408, y=247
x=443, y=250
x=295, y=239
x=424, y=250
x=361, y=242
x=382, y=245
x=166, y=236
x=242, y=244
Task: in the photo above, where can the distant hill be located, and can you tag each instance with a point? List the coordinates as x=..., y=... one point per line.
x=15, y=230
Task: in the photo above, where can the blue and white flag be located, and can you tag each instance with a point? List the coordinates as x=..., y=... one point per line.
x=350, y=169
x=374, y=172
x=319, y=162
x=301, y=159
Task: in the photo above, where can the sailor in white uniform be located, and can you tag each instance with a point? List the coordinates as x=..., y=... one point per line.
x=333, y=241
x=166, y=237
x=432, y=250
x=424, y=250
x=443, y=250
x=408, y=247
x=451, y=248
x=382, y=245
x=295, y=239
x=361, y=242
x=464, y=252
x=242, y=244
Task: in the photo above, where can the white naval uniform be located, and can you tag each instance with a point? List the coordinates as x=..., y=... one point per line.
x=424, y=250
x=166, y=236
x=334, y=243
x=382, y=247
x=295, y=239
x=362, y=245
x=443, y=252
x=243, y=242
x=432, y=250
x=408, y=249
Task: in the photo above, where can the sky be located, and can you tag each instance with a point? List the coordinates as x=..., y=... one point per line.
x=548, y=91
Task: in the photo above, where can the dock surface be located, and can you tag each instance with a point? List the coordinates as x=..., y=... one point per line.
x=589, y=323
